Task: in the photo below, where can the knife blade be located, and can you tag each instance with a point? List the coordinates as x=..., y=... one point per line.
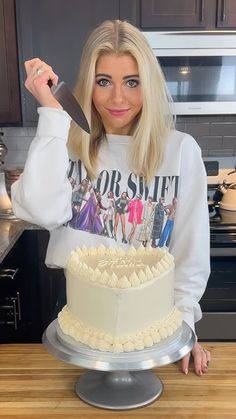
x=69, y=103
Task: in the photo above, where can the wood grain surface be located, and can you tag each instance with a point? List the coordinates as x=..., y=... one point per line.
x=33, y=384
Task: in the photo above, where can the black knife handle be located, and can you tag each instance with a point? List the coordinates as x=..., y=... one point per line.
x=50, y=83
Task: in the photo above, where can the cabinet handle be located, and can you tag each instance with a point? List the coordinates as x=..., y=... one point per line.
x=15, y=314
x=223, y=11
x=202, y=10
x=8, y=273
x=19, y=305
x=5, y=307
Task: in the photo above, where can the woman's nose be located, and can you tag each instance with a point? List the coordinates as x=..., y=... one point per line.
x=118, y=94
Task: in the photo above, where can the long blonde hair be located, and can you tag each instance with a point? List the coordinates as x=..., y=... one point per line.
x=151, y=128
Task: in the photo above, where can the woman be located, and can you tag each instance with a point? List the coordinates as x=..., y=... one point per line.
x=133, y=147
x=147, y=222
x=121, y=207
x=108, y=216
x=135, y=209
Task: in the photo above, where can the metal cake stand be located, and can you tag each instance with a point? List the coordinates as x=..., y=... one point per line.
x=118, y=381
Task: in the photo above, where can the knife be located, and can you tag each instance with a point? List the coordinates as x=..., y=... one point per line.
x=69, y=103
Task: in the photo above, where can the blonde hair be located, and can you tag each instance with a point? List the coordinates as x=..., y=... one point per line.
x=155, y=120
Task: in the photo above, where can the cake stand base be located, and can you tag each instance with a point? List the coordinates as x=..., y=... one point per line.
x=119, y=390
x=118, y=381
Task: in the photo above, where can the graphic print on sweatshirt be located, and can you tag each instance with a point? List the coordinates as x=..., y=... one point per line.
x=124, y=210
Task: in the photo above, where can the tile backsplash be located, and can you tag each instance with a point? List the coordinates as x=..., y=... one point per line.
x=216, y=136
x=17, y=141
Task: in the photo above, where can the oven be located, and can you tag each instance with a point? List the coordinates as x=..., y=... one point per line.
x=218, y=303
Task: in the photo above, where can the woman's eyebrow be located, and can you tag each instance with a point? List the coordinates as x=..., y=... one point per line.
x=130, y=76
x=103, y=75
x=110, y=77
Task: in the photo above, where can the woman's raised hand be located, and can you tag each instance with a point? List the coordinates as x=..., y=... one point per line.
x=38, y=75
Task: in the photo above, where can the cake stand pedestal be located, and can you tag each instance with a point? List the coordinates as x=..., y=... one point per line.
x=118, y=381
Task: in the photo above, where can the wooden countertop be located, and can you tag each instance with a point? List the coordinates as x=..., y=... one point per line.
x=33, y=384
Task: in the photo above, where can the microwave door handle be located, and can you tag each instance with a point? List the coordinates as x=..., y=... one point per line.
x=202, y=11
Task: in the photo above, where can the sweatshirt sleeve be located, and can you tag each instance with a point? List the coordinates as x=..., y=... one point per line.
x=42, y=194
x=190, y=239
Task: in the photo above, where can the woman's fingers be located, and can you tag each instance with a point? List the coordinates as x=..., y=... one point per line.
x=31, y=65
x=38, y=75
x=201, y=360
x=185, y=363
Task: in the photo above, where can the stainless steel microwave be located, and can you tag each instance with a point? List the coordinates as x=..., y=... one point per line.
x=199, y=68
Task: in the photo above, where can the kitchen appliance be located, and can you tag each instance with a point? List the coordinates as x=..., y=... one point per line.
x=219, y=300
x=226, y=195
x=199, y=68
x=69, y=104
x=228, y=201
x=12, y=173
x=5, y=202
x=3, y=149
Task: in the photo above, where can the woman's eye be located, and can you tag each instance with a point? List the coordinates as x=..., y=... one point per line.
x=103, y=82
x=132, y=83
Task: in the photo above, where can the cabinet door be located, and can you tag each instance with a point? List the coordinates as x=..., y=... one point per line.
x=55, y=31
x=20, y=299
x=226, y=14
x=52, y=284
x=172, y=14
x=9, y=79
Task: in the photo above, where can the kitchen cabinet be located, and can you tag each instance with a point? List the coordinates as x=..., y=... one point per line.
x=55, y=31
x=20, y=303
x=188, y=14
x=52, y=283
x=10, y=109
x=29, y=291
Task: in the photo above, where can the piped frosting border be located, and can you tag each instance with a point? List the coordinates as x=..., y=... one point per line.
x=96, y=339
x=78, y=257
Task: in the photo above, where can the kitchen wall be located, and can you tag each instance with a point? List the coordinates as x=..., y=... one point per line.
x=17, y=141
x=216, y=136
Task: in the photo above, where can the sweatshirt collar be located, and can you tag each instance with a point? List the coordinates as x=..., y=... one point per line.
x=118, y=139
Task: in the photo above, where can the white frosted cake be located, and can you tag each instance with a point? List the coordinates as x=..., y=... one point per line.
x=119, y=301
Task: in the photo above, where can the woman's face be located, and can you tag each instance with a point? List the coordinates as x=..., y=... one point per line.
x=117, y=93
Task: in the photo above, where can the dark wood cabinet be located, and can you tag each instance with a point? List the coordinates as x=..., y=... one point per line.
x=31, y=294
x=20, y=292
x=55, y=31
x=226, y=14
x=10, y=109
x=52, y=283
x=188, y=14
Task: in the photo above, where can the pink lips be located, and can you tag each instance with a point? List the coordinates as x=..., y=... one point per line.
x=118, y=112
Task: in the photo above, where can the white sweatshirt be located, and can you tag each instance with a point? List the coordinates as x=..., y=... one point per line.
x=54, y=193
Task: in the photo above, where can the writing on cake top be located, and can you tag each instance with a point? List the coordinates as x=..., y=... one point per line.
x=116, y=268
x=117, y=262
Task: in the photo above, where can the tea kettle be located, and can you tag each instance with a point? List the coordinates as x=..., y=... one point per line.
x=3, y=150
x=5, y=202
x=226, y=194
